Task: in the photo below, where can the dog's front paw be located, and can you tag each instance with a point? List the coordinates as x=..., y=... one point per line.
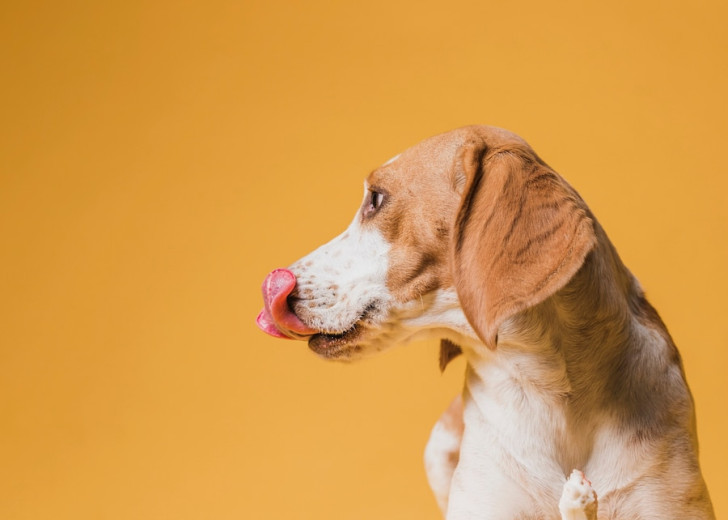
x=578, y=500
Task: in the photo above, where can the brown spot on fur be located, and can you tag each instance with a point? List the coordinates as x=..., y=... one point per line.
x=448, y=352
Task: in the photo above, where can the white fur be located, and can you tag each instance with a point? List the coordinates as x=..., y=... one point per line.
x=443, y=445
x=344, y=276
x=502, y=447
x=577, y=496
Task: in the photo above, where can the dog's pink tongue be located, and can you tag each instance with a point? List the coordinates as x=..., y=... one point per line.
x=265, y=323
x=276, y=318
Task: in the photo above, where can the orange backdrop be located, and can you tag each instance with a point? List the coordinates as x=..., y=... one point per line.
x=157, y=159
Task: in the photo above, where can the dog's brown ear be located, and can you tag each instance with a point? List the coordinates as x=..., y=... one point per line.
x=521, y=233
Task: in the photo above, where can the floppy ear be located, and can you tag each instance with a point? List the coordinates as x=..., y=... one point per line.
x=521, y=233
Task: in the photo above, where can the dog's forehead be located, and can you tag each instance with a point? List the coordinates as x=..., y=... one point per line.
x=427, y=159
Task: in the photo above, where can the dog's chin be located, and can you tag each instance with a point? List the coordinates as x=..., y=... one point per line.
x=339, y=346
x=350, y=344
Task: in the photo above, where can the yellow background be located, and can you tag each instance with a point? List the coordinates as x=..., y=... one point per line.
x=158, y=159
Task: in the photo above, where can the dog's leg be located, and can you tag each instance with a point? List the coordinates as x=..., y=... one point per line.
x=443, y=451
x=578, y=500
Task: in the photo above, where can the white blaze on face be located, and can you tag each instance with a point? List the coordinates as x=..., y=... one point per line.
x=343, y=280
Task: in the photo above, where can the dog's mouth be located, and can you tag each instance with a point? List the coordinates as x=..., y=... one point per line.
x=279, y=318
x=332, y=345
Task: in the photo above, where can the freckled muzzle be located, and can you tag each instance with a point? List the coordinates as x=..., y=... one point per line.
x=280, y=321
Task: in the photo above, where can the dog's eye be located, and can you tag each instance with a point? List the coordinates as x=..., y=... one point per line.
x=374, y=202
x=376, y=199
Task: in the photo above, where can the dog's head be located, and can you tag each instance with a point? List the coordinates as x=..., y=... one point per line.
x=454, y=236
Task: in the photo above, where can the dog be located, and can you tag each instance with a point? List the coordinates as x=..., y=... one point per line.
x=470, y=238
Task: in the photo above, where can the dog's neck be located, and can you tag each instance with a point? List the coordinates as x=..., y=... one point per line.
x=550, y=360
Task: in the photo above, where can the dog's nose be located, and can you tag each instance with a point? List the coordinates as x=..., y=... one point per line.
x=277, y=318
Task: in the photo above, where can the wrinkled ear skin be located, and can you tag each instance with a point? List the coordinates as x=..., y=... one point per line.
x=520, y=235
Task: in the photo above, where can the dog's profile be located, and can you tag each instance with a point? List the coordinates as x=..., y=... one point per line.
x=471, y=238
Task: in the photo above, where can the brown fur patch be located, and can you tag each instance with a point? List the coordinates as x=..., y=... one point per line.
x=521, y=233
x=448, y=352
x=416, y=217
